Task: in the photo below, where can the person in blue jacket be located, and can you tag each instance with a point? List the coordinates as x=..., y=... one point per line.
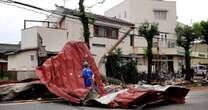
x=88, y=75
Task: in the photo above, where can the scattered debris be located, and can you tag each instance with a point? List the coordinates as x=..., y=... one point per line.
x=24, y=91
x=61, y=75
x=140, y=96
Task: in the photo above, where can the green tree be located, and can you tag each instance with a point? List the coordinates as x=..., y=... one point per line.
x=148, y=31
x=113, y=64
x=121, y=68
x=202, y=30
x=130, y=72
x=185, y=36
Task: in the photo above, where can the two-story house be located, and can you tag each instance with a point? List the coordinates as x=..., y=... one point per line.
x=38, y=43
x=167, y=56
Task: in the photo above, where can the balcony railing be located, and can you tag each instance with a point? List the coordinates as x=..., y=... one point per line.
x=48, y=24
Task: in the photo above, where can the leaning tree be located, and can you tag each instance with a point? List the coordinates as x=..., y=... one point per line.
x=185, y=37
x=148, y=31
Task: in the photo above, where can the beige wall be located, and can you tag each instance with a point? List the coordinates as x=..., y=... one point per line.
x=22, y=75
x=197, y=61
x=198, y=47
x=143, y=10
x=119, y=11
x=22, y=61
x=75, y=31
x=52, y=39
x=29, y=38
x=139, y=11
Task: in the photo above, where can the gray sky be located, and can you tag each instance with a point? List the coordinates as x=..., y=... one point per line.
x=11, y=18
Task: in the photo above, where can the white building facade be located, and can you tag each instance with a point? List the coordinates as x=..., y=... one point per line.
x=168, y=57
x=65, y=26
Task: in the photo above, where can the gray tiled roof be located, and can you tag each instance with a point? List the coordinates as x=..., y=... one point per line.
x=67, y=11
x=8, y=48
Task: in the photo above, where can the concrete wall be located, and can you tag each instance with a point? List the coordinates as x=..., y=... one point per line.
x=139, y=11
x=52, y=39
x=55, y=39
x=75, y=33
x=121, y=11
x=143, y=10
x=29, y=38
x=197, y=61
x=23, y=64
x=22, y=75
x=198, y=47
x=200, y=53
x=23, y=61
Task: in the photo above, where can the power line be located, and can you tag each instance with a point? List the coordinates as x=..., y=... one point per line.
x=23, y=8
x=41, y=9
x=9, y=2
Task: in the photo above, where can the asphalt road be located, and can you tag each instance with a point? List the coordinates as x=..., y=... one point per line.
x=196, y=100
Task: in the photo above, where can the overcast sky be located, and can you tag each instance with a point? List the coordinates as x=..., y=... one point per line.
x=11, y=18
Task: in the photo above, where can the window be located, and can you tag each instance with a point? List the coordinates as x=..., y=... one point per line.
x=201, y=55
x=160, y=14
x=155, y=44
x=104, y=31
x=32, y=57
x=131, y=40
x=3, y=57
x=171, y=44
x=163, y=37
x=98, y=45
x=202, y=68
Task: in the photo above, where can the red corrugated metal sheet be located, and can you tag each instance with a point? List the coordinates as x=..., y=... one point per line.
x=61, y=73
x=127, y=98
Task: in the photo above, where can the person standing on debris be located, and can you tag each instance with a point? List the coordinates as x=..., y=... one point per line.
x=88, y=75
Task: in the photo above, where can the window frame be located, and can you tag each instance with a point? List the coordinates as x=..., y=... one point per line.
x=160, y=12
x=109, y=31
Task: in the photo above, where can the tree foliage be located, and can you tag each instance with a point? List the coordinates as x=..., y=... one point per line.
x=113, y=64
x=121, y=68
x=185, y=36
x=202, y=30
x=148, y=31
